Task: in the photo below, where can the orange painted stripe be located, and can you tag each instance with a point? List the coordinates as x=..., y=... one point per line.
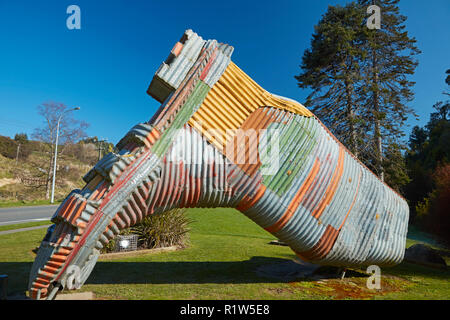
x=322, y=247
x=354, y=200
x=42, y=280
x=64, y=206
x=180, y=185
x=49, y=269
x=33, y=293
x=98, y=193
x=296, y=199
x=152, y=137
x=177, y=49
x=65, y=230
x=59, y=258
x=40, y=285
x=331, y=190
x=54, y=264
x=76, y=213
x=247, y=201
x=68, y=207
x=197, y=194
x=205, y=71
x=46, y=275
x=64, y=251
x=328, y=239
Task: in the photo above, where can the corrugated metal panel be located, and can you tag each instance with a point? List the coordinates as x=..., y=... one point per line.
x=315, y=215
x=219, y=64
x=230, y=102
x=173, y=71
x=319, y=199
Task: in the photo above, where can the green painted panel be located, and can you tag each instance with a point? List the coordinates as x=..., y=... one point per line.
x=301, y=131
x=184, y=114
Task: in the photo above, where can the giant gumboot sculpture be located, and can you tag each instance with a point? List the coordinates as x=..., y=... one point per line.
x=221, y=140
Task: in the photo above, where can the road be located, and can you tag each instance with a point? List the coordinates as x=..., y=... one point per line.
x=26, y=214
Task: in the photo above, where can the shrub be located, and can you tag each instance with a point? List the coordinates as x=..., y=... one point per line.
x=156, y=231
x=84, y=152
x=8, y=148
x=440, y=203
x=433, y=212
x=163, y=230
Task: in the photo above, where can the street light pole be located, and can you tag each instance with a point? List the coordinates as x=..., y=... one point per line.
x=56, y=152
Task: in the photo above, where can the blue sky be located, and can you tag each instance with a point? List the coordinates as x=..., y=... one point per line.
x=106, y=67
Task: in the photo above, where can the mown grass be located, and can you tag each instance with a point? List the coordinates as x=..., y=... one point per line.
x=226, y=248
x=24, y=225
x=25, y=203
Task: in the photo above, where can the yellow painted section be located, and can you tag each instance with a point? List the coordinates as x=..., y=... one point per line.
x=230, y=101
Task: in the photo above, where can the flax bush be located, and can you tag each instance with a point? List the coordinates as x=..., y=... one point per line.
x=156, y=231
x=163, y=230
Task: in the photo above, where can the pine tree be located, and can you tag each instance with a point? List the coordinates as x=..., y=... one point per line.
x=387, y=90
x=359, y=81
x=331, y=69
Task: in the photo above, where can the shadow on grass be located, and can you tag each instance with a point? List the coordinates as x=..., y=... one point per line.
x=18, y=273
x=115, y=272
x=189, y=272
x=182, y=272
x=407, y=269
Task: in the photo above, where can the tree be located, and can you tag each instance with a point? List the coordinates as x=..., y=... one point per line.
x=21, y=139
x=429, y=153
x=70, y=130
x=358, y=78
x=386, y=89
x=331, y=69
x=19, y=148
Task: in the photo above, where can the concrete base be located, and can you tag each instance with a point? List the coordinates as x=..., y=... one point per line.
x=76, y=296
x=135, y=253
x=288, y=271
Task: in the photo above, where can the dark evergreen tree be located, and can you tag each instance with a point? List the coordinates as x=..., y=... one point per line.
x=331, y=69
x=359, y=81
x=429, y=150
x=386, y=89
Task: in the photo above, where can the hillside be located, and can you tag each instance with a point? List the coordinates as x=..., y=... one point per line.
x=24, y=180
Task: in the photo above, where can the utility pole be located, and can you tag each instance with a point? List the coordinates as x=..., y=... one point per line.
x=17, y=154
x=100, y=148
x=56, y=152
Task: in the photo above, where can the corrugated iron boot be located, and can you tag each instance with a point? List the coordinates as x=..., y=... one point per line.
x=221, y=140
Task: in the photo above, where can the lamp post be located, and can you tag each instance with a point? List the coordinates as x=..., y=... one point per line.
x=56, y=152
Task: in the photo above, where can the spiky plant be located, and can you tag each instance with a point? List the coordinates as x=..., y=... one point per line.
x=163, y=230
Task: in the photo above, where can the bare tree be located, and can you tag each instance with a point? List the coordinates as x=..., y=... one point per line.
x=70, y=131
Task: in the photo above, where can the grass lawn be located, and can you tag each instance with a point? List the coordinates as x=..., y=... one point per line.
x=24, y=225
x=24, y=203
x=225, y=250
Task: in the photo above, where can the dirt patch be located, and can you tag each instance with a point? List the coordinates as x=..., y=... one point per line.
x=6, y=181
x=349, y=288
x=325, y=282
